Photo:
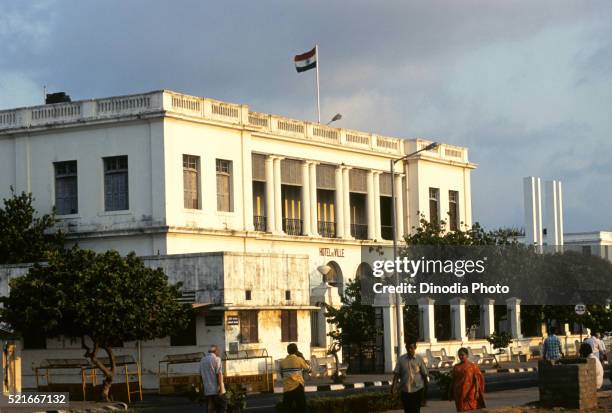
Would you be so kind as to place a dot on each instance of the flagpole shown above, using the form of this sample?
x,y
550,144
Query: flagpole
x,y
318,96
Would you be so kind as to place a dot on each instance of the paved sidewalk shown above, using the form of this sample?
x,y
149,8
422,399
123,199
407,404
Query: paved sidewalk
x,y
506,398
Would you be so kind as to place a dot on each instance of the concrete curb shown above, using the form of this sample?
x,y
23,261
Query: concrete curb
x,y
380,383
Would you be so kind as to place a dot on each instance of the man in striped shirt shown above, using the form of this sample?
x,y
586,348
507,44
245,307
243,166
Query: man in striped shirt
x,y
291,368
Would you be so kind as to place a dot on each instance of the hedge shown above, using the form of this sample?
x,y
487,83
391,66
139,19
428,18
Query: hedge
x,y
354,403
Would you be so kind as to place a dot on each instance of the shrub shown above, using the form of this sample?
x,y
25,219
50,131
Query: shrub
x,y
355,403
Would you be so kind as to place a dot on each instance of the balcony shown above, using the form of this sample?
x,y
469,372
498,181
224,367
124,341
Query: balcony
x,y
326,229
359,231
259,222
292,226
386,231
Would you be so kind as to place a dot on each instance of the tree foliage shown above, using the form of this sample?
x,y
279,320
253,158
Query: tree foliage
x,y
354,321
567,274
25,236
104,299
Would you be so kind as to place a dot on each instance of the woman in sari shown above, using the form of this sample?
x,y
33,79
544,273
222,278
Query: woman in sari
x,y
467,385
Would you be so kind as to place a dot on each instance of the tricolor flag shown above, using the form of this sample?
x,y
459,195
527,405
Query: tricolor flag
x,y
306,61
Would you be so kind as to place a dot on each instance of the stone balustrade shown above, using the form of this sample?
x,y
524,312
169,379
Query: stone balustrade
x,y
216,111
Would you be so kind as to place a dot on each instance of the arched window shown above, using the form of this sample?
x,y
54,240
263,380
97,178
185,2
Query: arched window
x,y
334,275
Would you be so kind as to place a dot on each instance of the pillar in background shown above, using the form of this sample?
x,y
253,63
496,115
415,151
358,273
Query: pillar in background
x,y
339,203
377,225
346,193
457,307
278,200
270,220
370,205
487,318
314,215
306,226
399,207
514,316
553,213
426,312
533,211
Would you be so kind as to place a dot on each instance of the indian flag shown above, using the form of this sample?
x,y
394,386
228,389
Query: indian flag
x,y
306,61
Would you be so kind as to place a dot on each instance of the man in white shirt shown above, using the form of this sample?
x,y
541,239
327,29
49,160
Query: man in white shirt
x,y
212,381
411,373
593,342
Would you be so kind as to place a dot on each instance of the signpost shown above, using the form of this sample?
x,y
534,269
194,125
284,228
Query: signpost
x,y
580,310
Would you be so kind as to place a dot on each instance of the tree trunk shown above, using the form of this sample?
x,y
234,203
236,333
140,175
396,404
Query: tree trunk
x,y
109,374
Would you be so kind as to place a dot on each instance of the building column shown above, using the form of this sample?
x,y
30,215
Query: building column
x,y
487,317
270,221
346,193
247,182
514,316
377,227
339,203
426,312
314,214
370,205
278,200
399,207
305,198
457,307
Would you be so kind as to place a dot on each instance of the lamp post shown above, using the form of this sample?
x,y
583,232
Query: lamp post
x,y
398,298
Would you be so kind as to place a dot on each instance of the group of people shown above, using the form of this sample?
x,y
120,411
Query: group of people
x,y
592,347
410,377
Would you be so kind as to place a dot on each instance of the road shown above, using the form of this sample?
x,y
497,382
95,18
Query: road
x,y
265,403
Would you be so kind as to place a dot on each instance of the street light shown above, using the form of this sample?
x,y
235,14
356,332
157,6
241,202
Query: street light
x,y
398,298
336,117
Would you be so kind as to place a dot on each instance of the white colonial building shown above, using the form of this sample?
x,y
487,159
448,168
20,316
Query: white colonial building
x,y
243,207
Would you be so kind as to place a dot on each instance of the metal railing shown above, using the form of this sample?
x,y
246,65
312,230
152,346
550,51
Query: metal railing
x,y
326,229
292,226
359,231
259,222
386,231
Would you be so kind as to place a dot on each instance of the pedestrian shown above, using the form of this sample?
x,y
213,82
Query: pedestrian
x,y
212,381
467,384
586,351
291,369
411,374
594,343
601,348
552,346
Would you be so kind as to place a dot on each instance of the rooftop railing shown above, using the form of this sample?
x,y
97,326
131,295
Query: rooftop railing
x,y
217,111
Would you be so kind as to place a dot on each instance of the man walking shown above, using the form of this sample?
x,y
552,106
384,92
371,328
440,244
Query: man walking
x,y
552,346
212,381
411,373
291,368
594,343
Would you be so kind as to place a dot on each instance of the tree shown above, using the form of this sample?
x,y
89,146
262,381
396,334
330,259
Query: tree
x,y
103,299
354,322
24,236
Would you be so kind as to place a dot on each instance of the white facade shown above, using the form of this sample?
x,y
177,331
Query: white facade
x,y
295,187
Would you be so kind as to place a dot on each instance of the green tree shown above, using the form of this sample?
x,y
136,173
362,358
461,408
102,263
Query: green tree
x,y
103,299
24,236
354,321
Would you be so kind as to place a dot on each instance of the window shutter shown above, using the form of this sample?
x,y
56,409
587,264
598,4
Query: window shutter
x,y
284,326
258,166
293,332
291,172
358,180
385,184
326,177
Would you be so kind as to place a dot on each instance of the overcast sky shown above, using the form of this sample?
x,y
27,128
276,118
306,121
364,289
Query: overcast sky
x,y
525,85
